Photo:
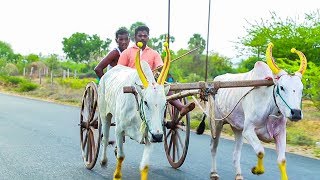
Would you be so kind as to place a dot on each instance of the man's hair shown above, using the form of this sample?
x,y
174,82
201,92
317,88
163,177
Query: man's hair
x,y
141,28
122,31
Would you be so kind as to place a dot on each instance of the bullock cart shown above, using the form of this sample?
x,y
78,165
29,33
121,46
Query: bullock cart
x,y
176,128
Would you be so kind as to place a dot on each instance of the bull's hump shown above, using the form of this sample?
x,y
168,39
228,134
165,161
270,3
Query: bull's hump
x,y
262,71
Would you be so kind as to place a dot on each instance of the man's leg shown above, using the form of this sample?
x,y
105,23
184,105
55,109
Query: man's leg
x,y
184,109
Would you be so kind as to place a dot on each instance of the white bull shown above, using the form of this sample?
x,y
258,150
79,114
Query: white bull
x,y
141,119
261,114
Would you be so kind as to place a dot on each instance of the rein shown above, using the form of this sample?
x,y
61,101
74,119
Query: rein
x,y
235,106
144,126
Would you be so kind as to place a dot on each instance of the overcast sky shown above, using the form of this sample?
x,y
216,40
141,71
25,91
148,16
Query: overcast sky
x,y
34,26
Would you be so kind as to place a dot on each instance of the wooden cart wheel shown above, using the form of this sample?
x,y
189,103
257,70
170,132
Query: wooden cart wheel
x,y
176,139
90,126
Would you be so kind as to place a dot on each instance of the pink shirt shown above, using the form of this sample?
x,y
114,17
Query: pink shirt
x,y
153,58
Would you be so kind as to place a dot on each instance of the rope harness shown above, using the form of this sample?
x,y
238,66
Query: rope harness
x,y
235,105
144,128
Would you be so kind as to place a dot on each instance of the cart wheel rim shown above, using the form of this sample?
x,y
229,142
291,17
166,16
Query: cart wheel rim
x,y
90,126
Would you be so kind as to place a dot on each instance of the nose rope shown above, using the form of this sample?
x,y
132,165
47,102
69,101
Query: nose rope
x,y
144,126
143,117
278,93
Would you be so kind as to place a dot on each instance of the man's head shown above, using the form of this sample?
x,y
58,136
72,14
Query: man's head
x,y
122,38
142,35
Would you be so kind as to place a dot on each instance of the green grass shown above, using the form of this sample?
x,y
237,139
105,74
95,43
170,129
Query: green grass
x,y
18,84
316,152
74,83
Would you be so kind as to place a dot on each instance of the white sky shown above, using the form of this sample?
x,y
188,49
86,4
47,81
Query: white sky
x,y
34,26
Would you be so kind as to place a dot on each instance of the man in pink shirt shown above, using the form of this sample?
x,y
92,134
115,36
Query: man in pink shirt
x,y
127,58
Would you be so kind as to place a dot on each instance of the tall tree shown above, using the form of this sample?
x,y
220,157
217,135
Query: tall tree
x,y
81,47
52,62
32,58
197,41
6,53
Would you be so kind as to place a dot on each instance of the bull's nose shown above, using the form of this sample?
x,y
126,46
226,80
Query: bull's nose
x,y
295,114
157,137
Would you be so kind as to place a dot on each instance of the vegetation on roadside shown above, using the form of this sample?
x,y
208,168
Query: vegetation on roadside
x,y
18,84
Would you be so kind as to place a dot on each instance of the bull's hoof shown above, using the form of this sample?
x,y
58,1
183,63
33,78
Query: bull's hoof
x,y
117,175
239,177
214,176
103,163
257,171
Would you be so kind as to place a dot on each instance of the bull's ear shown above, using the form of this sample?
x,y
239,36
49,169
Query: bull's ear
x,y
166,89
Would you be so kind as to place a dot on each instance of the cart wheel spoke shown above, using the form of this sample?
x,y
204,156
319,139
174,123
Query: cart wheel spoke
x,y
85,141
171,143
177,146
182,128
173,148
87,150
92,141
169,133
180,140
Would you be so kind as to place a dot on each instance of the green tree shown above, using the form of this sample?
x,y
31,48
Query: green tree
x,y
157,43
197,41
247,65
218,65
186,69
81,47
32,58
285,34
52,62
7,54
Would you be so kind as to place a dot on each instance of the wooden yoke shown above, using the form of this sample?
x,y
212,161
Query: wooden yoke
x,y
214,86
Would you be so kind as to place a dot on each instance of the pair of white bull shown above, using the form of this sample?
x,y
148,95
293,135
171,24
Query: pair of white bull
x,y
261,114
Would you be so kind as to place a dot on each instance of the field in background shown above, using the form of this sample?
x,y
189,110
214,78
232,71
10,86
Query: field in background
x,y
301,136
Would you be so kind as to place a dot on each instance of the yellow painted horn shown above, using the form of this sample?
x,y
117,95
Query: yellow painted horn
x,y
165,68
138,67
303,59
270,60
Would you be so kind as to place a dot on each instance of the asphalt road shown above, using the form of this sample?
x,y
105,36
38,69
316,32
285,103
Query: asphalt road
x,y
40,140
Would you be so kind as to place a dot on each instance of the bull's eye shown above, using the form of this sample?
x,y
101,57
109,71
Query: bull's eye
x,y
281,87
145,103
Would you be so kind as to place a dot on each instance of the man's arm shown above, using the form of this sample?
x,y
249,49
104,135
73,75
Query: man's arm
x,y
124,58
157,61
111,57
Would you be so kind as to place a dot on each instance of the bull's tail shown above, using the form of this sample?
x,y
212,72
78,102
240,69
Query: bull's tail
x,y
202,125
210,110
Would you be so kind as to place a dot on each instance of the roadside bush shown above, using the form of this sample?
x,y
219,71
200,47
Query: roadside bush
x,y
298,137
11,69
17,83
27,86
11,80
317,152
74,83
